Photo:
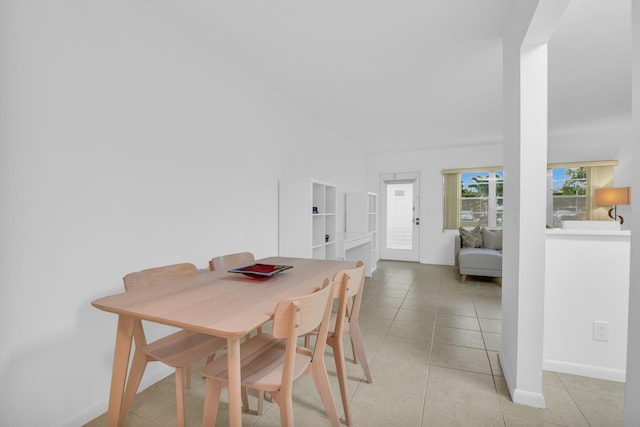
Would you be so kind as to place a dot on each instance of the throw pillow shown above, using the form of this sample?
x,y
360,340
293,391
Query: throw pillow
x,y
492,239
471,239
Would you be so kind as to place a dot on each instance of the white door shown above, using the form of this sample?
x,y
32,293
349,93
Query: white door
x,y
400,216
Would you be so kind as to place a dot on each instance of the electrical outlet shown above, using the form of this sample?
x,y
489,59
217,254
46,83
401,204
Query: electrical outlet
x,y
600,331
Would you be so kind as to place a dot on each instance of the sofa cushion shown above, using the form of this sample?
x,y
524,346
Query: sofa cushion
x,y
471,239
479,260
492,239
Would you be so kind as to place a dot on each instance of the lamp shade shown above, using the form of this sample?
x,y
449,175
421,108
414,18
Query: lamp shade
x,y
613,196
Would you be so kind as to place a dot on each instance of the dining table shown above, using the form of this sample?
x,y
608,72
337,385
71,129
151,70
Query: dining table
x,y
220,303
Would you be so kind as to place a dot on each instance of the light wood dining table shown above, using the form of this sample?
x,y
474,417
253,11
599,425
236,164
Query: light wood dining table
x,y
219,303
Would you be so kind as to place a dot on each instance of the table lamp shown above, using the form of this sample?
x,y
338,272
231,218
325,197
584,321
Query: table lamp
x,y
615,197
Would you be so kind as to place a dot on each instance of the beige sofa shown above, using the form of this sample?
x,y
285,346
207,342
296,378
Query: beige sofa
x,y
482,261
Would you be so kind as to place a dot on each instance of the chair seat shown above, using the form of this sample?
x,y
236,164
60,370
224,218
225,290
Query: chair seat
x,y
184,347
480,258
262,362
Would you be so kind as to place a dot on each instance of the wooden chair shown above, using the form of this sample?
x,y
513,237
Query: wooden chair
x,y
178,350
272,362
347,288
226,262
352,326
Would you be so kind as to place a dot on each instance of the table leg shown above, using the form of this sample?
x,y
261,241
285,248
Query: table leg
x,y
233,366
120,365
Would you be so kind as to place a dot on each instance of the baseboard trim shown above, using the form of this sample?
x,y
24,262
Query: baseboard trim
x,y
535,400
521,397
591,371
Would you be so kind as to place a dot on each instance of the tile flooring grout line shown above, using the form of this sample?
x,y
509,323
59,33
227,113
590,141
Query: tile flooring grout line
x,y
564,386
433,337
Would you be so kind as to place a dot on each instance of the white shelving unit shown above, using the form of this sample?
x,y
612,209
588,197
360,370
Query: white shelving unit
x,y
307,219
362,218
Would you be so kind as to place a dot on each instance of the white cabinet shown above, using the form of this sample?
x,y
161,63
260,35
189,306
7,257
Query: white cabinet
x,y
362,217
307,219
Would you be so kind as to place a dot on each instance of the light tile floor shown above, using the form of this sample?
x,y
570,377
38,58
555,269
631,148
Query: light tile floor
x,y
433,348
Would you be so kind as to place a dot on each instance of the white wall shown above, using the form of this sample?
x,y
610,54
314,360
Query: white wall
x,y
126,143
587,280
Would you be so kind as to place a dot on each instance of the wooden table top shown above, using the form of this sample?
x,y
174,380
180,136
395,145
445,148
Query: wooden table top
x,y
222,303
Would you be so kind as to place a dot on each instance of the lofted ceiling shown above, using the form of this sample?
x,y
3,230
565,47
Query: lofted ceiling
x,y
409,75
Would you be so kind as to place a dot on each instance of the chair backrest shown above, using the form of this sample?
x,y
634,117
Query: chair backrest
x,y
348,282
295,317
307,311
348,285
226,262
157,275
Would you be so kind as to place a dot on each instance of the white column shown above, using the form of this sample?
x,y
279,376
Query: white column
x,y
632,386
525,164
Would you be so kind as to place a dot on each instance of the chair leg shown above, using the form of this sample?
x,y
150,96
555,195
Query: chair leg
x,y
463,278
211,402
180,396
138,365
245,399
338,356
353,351
262,397
285,402
258,332
321,380
209,359
188,375
260,401
358,348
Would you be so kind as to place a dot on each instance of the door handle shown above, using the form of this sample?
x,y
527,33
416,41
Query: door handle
x,y
417,221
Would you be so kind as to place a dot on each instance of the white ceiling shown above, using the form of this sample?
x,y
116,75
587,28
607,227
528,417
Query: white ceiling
x,y
407,75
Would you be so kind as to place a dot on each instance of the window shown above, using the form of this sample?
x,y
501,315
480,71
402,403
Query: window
x,y
571,188
475,196
481,199
569,194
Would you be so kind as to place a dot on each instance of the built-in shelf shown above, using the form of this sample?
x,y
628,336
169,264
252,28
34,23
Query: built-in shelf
x,y
362,217
307,219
